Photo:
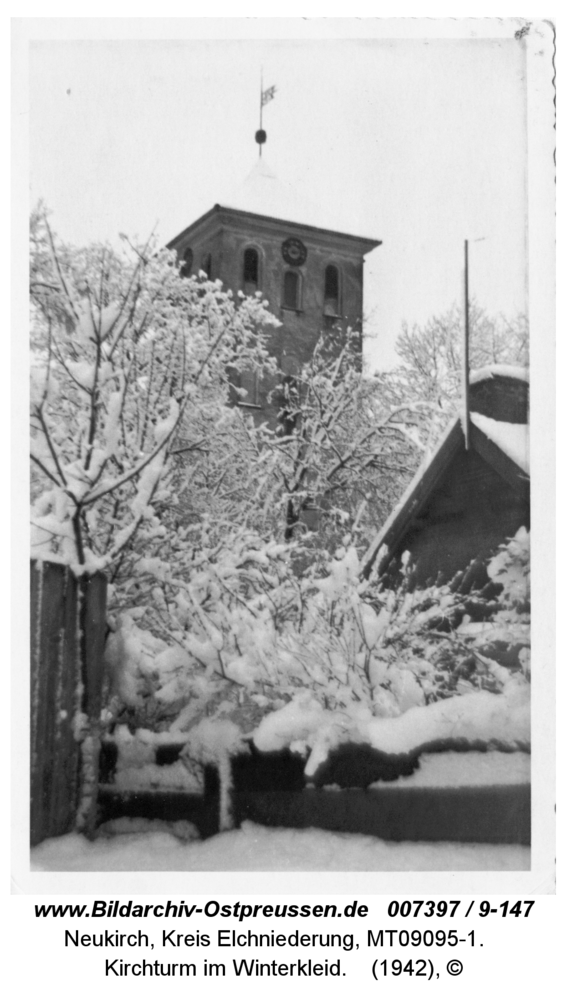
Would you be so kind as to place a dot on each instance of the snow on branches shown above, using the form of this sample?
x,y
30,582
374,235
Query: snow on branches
x,y
223,608
327,652
339,456
431,355
126,355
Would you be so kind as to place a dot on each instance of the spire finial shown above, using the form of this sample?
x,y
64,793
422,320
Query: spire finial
x,y
265,96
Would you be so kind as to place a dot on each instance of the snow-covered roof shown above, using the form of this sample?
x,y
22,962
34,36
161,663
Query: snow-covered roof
x,y
264,193
512,442
512,439
408,502
507,371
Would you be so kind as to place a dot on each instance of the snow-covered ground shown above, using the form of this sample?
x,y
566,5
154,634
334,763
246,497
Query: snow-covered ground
x,y
257,848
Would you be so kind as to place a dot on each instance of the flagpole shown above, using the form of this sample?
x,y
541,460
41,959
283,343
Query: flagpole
x,y
265,96
466,403
261,101
466,348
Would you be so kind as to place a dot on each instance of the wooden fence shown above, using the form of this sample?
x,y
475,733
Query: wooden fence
x,y
364,797
67,642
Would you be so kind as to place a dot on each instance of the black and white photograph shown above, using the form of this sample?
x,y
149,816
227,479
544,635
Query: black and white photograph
x,y
288,349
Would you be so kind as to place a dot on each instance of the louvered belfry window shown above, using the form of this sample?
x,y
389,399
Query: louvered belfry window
x,y
291,290
251,271
331,303
207,264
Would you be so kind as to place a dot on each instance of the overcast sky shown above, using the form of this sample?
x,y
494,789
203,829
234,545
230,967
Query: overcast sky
x,y
419,142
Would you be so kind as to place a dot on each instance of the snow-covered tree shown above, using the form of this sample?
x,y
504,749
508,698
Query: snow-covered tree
x,y
431,368
130,369
195,512
340,454
337,458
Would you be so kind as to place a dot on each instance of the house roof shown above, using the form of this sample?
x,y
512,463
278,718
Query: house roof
x,y
512,439
499,371
503,446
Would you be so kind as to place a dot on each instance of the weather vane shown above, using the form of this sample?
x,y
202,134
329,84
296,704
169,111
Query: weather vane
x,y
265,97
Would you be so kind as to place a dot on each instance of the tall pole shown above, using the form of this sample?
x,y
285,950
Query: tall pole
x,y
261,101
466,406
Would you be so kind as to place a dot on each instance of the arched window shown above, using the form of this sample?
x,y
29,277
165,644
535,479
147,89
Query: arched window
x,y
251,271
331,299
207,264
291,290
187,265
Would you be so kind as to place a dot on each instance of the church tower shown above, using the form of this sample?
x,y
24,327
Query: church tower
x,y
262,240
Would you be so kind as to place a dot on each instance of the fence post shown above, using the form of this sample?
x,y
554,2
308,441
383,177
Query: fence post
x,y
92,617
67,642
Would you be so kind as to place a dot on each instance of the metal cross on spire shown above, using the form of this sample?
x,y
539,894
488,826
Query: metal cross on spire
x,y
265,97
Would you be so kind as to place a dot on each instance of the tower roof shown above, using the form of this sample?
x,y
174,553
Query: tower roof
x,y
263,194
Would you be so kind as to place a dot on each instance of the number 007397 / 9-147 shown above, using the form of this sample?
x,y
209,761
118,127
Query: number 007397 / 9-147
x,y
449,908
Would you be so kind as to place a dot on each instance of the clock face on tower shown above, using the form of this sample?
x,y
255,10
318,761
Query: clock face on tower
x,y
294,251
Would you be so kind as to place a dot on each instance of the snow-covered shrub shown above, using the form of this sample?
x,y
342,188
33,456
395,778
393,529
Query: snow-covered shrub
x,y
248,637
511,569
411,668
200,635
